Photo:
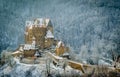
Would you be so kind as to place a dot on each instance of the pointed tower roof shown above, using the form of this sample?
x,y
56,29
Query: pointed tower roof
x,y
47,21
49,34
60,43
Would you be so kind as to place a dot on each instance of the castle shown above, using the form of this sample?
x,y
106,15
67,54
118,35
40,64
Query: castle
x,y
39,36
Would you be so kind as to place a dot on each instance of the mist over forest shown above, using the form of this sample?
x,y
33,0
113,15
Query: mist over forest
x,y
88,27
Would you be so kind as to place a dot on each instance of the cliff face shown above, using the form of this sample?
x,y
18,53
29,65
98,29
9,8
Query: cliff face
x,y
86,25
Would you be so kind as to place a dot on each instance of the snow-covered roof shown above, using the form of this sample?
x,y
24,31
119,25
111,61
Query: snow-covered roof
x,y
49,34
38,22
41,21
17,52
29,23
29,46
47,21
30,27
58,57
65,54
37,53
59,44
21,48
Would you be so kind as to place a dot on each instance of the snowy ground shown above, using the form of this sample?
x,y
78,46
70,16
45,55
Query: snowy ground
x,y
34,70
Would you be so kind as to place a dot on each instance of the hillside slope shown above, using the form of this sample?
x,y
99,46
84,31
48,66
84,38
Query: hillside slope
x,y
85,25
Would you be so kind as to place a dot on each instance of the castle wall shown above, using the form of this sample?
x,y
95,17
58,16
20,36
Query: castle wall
x,y
29,53
49,42
59,51
39,34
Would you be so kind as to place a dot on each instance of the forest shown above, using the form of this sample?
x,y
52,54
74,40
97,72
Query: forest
x,y
88,27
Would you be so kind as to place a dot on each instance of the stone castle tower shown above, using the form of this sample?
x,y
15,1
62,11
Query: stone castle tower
x,y
41,30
